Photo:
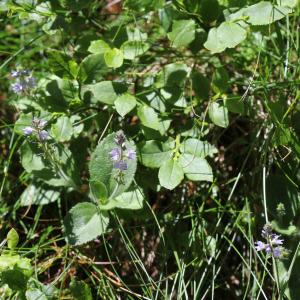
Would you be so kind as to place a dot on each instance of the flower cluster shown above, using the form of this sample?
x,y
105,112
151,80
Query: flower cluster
x,y
37,129
120,154
273,243
24,81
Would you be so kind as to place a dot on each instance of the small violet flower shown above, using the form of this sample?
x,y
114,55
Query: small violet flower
x,y
115,154
260,246
273,242
38,129
131,154
18,88
277,252
43,135
121,154
24,81
120,138
28,130
121,165
39,123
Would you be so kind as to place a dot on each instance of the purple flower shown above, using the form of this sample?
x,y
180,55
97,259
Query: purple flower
x,y
30,82
115,154
18,88
120,138
277,252
260,246
268,249
272,242
131,154
28,130
43,135
15,74
275,240
121,165
39,123
24,81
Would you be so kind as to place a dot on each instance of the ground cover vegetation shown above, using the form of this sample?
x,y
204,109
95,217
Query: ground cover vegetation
x,y
149,149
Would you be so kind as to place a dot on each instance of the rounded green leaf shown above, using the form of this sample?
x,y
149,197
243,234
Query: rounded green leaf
x,y
12,239
153,154
132,199
84,222
114,58
62,130
227,35
31,157
93,67
98,191
264,13
132,49
209,10
98,46
198,148
196,168
170,174
38,195
218,114
183,33
104,91
124,104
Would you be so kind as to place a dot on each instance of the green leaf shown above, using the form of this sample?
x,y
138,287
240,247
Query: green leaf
x,y
124,104
209,10
218,114
201,85
135,34
62,130
15,279
34,163
60,94
80,290
153,154
197,148
92,68
235,105
133,49
227,35
23,121
289,3
31,157
84,222
35,194
173,74
220,80
114,58
101,167
62,65
132,199
104,91
195,168
183,33
99,192
12,239
35,294
75,5
98,46
148,117
170,174
264,13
